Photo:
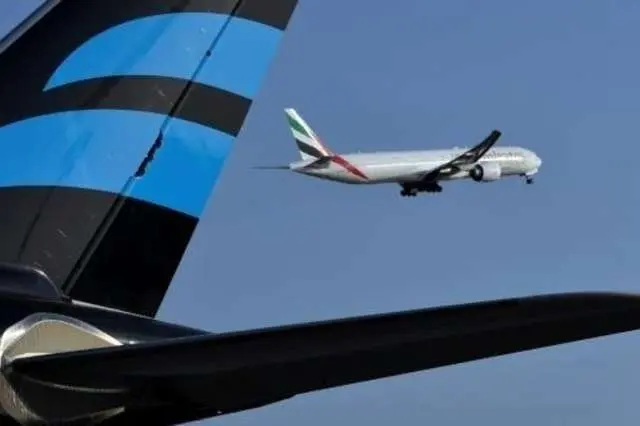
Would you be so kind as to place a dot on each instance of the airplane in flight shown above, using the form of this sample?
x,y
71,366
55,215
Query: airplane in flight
x,y
414,171
116,117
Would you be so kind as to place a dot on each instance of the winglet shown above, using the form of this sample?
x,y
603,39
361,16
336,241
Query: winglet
x,y
493,137
478,151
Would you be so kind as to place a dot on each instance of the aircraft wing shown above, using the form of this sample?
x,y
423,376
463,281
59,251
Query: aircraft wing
x,y
469,157
195,377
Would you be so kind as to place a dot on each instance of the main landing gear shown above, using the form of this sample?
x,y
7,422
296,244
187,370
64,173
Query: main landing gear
x,y
413,190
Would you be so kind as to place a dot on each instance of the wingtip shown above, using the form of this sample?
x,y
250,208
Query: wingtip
x,y
495,135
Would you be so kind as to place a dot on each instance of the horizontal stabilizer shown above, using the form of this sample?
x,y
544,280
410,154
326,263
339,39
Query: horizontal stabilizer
x,y
272,167
251,368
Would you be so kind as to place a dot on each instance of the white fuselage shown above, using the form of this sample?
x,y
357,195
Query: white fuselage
x,y
409,166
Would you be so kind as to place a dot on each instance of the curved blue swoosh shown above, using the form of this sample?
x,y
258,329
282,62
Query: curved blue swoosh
x,y
174,45
186,168
101,150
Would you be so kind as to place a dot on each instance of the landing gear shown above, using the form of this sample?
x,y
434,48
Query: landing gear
x,y
413,190
528,178
408,193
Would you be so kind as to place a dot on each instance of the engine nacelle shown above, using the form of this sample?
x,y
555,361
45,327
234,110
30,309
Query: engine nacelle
x,y
486,172
29,402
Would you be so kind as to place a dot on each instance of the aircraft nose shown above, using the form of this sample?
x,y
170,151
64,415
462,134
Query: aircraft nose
x,y
533,161
537,161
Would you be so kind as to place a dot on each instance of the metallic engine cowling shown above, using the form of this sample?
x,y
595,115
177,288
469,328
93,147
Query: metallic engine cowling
x,y
31,402
487,172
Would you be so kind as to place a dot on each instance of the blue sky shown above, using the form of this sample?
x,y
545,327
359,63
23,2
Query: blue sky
x,y
558,77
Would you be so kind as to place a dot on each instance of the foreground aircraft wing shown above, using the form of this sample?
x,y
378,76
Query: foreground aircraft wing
x,y
468,157
195,377
116,118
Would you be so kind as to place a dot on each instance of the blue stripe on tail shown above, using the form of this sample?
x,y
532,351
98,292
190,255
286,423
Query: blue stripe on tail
x,y
101,149
185,169
173,45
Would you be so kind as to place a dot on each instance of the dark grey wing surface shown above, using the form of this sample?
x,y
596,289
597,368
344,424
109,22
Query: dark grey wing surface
x,y
193,377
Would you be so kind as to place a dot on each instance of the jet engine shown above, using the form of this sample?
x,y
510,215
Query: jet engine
x,y
48,333
486,172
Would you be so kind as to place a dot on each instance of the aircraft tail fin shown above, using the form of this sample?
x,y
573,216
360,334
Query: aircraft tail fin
x,y
309,145
108,160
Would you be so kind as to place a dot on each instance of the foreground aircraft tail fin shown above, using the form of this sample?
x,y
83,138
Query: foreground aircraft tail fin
x,y
108,160
309,145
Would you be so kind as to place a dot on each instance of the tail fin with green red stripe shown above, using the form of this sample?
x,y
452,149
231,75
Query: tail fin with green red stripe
x,y
309,145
